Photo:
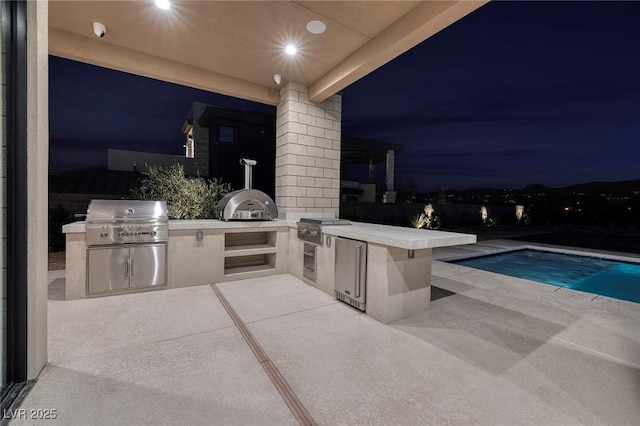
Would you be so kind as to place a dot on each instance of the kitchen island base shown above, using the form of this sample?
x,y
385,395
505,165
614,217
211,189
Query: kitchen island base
x,y
398,273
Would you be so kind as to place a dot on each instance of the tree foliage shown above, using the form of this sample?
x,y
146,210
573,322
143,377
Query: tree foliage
x,y
186,197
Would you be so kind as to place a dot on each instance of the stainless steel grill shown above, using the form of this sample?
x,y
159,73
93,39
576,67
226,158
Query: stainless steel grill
x,y
311,229
126,244
126,221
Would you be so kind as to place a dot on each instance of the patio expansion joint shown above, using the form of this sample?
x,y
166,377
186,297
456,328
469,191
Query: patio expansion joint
x,y
298,410
335,302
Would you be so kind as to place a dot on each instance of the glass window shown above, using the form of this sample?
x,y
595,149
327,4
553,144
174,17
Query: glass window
x,y
3,204
226,134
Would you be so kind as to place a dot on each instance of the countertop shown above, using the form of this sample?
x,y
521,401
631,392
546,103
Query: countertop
x,y
394,236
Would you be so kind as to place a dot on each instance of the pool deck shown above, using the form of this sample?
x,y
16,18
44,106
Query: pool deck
x,y
491,350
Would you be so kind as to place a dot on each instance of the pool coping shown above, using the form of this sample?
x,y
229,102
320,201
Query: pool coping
x,y
578,251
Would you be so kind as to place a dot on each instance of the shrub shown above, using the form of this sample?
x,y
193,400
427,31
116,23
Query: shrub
x,y
186,197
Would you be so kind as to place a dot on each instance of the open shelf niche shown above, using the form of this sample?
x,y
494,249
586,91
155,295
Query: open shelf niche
x,y
249,252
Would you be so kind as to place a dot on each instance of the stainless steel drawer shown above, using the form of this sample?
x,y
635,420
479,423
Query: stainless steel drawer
x,y
309,262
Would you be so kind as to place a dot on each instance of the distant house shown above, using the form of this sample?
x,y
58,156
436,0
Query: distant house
x,y
360,155
217,138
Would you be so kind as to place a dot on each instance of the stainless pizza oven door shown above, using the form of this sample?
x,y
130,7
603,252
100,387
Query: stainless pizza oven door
x,y
247,203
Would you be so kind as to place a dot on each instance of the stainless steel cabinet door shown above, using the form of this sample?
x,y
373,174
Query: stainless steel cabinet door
x,y
147,265
107,269
351,264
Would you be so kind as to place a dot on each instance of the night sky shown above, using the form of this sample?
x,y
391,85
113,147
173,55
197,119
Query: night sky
x,y
514,94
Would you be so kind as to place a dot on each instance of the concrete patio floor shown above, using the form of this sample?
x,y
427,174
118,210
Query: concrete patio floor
x,y
496,350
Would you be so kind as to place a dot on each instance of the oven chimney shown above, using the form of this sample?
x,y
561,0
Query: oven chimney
x,y
248,173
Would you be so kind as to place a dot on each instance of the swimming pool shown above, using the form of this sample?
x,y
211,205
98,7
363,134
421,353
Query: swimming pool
x,y
620,280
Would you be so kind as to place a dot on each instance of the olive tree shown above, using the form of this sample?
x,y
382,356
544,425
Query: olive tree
x,y
186,197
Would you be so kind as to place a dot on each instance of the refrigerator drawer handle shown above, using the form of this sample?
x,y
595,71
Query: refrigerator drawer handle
x,y
358,256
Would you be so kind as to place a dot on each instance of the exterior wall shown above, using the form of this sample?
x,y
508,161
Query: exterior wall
x,y
3,213
307,152
37,183
200,141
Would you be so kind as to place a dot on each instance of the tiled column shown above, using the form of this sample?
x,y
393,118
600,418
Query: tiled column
x,y
307,153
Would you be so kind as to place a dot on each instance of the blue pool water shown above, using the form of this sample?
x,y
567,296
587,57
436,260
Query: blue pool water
x,y
619,280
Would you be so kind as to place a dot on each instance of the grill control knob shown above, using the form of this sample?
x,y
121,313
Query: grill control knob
x,y
121,234
153,233
104,234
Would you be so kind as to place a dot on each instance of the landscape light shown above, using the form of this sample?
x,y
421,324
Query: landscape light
x,y
290,49
163,4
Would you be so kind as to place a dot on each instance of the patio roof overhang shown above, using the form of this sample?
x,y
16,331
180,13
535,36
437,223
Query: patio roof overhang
x,y
235,47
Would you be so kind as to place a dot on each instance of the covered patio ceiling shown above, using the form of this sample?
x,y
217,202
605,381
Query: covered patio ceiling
x,y
235,47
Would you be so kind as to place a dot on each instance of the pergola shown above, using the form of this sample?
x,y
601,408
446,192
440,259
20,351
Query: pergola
x,y
229,47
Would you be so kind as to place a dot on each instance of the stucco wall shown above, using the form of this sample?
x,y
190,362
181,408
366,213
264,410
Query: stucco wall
x,y
37,183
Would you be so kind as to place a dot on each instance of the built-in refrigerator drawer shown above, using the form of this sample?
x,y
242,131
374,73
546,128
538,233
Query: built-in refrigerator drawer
x,y
351,272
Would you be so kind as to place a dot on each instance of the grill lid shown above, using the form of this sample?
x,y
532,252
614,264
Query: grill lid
x,y
100,211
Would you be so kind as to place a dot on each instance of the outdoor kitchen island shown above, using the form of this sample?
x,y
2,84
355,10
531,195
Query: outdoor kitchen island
x,y
209,251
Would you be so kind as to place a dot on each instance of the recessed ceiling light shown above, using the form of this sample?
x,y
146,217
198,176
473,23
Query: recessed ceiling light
x,y
163,4
290,49
316,27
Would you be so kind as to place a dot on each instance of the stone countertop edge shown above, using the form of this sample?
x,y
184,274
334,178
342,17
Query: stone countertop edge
x,y
394,236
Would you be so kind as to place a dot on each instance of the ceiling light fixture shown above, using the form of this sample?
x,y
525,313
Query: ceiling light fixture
x,y
163,4
316,27
290,49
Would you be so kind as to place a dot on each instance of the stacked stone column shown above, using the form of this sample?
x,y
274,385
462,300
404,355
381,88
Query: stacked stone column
x,y
307,152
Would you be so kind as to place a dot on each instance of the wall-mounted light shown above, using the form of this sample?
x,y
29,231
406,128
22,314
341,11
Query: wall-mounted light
x,y
277,78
